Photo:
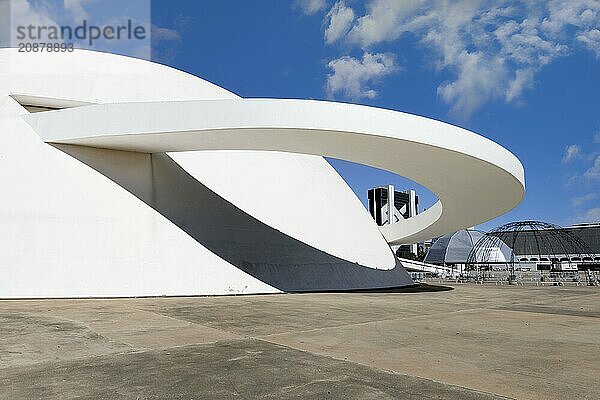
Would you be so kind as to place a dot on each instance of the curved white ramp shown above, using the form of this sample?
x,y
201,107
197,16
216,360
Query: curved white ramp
x,y
474,178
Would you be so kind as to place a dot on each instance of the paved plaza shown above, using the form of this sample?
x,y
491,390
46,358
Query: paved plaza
x,y
473,342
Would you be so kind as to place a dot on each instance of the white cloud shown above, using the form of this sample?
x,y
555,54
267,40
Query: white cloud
x,y
597,137
76,8
590,216
310,7
22,13
523,79
593,173
340,18
581,200
592,39
352,76
572,152
580,15
164,34
476,82
73,12
164,54
385,20
492,50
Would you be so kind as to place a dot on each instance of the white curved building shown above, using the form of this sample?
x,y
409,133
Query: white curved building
x,y
122,177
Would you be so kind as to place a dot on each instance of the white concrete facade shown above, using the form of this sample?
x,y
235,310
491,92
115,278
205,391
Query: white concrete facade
x,y
150,181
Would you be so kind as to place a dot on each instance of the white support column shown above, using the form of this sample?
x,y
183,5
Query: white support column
x,y
412,211
391,207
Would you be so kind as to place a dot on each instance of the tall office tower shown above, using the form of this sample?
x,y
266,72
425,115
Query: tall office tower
x,y
388,206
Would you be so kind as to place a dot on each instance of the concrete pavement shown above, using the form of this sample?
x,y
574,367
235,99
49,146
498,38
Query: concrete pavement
x,y
473,342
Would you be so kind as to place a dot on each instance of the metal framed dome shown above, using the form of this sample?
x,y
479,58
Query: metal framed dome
x,y
528,241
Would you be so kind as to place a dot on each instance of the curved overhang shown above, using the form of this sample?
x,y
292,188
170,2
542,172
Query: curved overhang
x,y
39,82
474,178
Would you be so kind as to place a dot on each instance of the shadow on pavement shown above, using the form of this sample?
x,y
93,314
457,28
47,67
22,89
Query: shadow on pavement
x,y
421,287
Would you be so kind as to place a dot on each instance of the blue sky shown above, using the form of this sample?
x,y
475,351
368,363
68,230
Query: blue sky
x,y
524,74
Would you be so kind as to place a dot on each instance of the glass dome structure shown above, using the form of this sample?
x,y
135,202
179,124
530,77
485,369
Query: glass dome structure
x,y
453,248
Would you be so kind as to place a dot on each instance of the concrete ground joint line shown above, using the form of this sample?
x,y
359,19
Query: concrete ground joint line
x,y
389,371
134,350
65,360
369,322
542,313
91,328
574,297
170,317
76,322
192,323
